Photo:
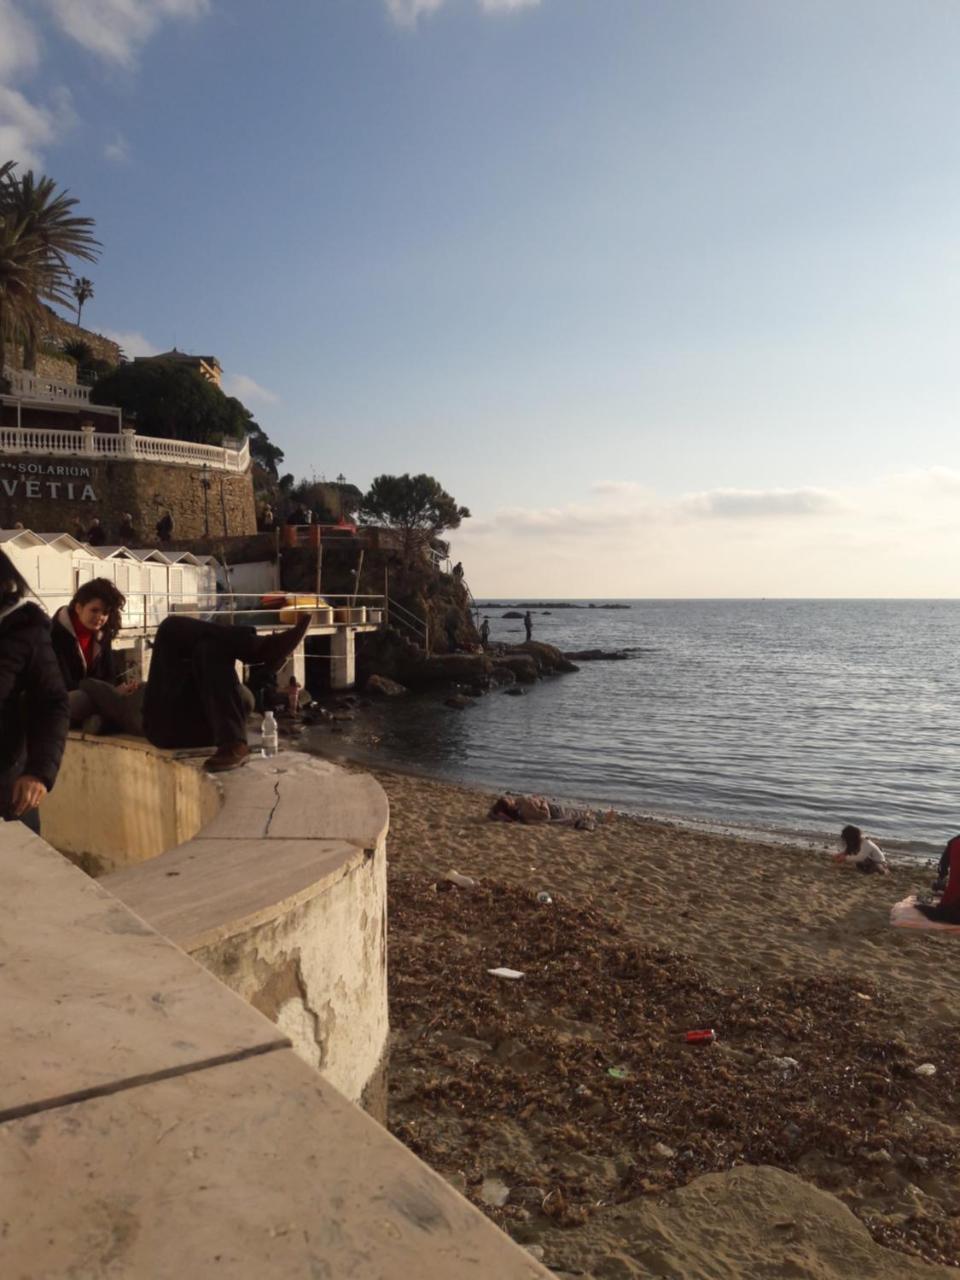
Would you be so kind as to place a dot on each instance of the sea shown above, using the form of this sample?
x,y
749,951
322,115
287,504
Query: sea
x,y
785,718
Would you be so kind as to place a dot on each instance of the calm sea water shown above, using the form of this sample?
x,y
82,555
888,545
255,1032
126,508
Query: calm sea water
x,y
793,716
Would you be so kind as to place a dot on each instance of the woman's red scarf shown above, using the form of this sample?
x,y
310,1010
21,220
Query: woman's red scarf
x,y
85,638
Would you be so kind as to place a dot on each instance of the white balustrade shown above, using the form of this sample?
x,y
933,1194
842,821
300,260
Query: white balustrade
x,y
33,386
128,445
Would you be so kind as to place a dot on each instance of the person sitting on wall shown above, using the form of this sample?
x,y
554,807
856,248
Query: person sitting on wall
x,y
193,695
128,534
95,534
33,702
165,527
82,633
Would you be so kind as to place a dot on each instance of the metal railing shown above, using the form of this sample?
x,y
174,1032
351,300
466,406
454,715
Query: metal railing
x,y
145,610
409,624
88,443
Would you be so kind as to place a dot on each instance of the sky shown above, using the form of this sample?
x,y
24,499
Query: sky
x,y
667,292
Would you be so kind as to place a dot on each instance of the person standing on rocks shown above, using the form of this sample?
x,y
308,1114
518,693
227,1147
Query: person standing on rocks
x,y
485,632
528,625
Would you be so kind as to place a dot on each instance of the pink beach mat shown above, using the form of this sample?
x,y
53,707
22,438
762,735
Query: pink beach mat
x,y
904,915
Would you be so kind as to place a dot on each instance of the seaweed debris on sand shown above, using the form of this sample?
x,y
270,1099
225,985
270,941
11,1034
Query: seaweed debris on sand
x,y
625,1152
575,1089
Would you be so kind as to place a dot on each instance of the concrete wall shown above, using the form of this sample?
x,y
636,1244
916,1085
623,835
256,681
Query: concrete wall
x,y
283,897
119,801
319,972
152,1125
50,495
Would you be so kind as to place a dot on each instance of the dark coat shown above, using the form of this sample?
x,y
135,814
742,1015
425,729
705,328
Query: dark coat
x,y
70,655
33,700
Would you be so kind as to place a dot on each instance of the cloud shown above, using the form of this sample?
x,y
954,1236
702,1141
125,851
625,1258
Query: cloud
x,y
505,6
407,12
740,503
246,389
117,151
116,30
19,42
113,30
132,343
886,535
25,127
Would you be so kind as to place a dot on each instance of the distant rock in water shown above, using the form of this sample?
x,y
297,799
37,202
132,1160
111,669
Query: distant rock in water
x,y
459,702
513,614
383,687
598,655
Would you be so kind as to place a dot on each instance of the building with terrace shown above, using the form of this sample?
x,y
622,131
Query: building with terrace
x,y
64,461
208,367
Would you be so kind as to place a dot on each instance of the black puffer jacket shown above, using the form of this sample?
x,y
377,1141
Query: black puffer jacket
x,y
33,701
70,655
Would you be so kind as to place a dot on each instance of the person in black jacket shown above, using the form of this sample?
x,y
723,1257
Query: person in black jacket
x,y
83,632
33,702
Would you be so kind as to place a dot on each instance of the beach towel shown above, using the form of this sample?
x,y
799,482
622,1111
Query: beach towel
x,y
904,915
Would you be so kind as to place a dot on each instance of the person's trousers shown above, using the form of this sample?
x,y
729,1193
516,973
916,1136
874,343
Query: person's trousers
x,y
193,694
123,711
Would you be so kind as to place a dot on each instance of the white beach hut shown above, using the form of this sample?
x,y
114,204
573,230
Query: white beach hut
x,y
47,562
152,603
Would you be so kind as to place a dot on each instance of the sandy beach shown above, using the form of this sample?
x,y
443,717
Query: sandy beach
x,y
566,1105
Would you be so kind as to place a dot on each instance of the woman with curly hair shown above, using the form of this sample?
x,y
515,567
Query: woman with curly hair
x,y
83,632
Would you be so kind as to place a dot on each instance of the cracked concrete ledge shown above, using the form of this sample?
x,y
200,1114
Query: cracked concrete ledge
x,y
289,878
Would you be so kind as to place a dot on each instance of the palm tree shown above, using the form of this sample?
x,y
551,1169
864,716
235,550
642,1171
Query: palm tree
x,y
39,234
82,291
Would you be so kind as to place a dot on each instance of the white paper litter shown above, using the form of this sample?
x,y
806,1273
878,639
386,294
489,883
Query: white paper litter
x,y
505,973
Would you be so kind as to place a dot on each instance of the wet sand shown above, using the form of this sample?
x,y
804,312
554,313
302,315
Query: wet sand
x,y
617,1150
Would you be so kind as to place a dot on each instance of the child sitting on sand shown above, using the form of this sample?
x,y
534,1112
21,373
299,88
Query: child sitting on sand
x,y
861,853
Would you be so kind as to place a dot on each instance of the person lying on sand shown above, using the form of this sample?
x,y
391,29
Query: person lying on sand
x,y
861,853
947,910
537,809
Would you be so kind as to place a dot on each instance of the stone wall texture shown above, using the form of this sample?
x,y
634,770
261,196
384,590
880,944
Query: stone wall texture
x,y
55,495
60,331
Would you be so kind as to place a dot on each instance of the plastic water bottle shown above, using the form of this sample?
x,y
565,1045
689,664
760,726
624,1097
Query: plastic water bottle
x,y
268,732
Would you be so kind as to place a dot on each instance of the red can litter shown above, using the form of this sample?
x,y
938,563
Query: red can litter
x,y
701,1037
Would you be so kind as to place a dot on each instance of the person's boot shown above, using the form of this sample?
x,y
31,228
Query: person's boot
x,y
231,756
275,649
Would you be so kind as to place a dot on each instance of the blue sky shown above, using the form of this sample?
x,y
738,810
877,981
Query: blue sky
x,y
666,292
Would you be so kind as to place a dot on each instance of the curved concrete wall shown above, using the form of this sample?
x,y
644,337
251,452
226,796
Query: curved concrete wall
x,y
283,897
119,801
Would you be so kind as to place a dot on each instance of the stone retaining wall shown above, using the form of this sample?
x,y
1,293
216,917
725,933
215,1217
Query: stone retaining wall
x,y
51,494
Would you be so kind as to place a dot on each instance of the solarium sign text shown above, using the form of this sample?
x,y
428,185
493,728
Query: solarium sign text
x,y
47,480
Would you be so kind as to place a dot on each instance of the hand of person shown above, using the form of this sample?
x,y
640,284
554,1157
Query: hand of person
x,y
839,859
27,794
